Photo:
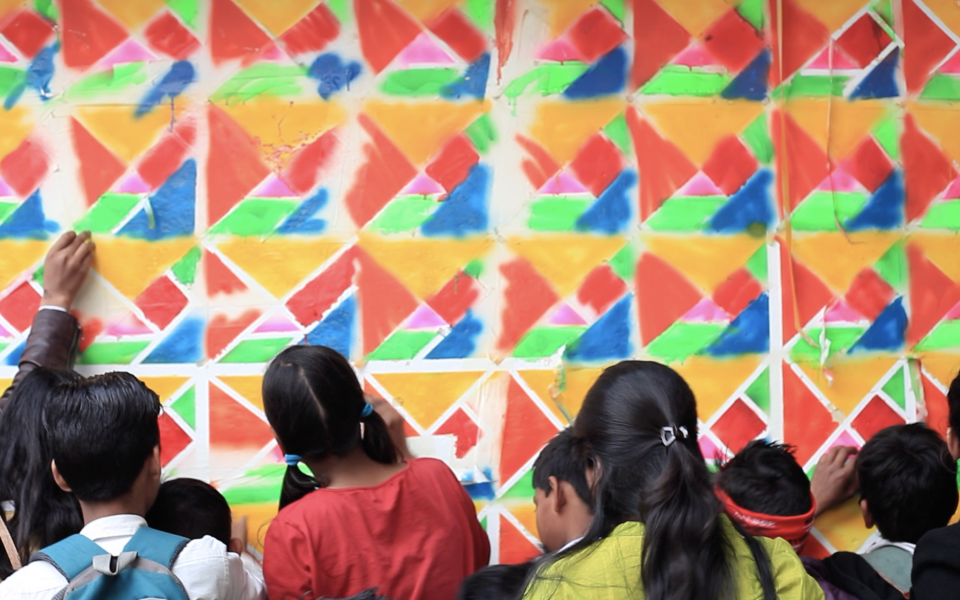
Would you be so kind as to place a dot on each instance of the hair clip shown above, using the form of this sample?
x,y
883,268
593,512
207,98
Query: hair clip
x,y
292,460
367,410
668,434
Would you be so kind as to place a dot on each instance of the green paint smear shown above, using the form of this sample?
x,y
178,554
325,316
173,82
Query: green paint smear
x,y
340,9
186,268
546,79
6,208
682,340
521,490
480,12
545,341
474,268
759,391
186,9
841,339
757,265
482,133
256,216
752,12
624,263
885,10
111,353
256,351
617,8
46,8
261,79
418,82
186,407
402,345
38,275
758,138
888,136
619,133
816,213
556,214
11,79
894,388
259,486
116,79
681,81
403,214
943,216
811,85
945,335
892,266
941,87
108,212
690,213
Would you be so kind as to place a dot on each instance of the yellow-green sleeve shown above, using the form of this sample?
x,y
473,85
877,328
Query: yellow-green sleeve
x,y
792,580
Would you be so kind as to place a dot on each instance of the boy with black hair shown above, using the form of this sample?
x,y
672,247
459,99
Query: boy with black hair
x,y
105,438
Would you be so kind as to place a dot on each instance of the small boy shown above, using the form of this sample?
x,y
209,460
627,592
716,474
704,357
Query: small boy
x,y
106,450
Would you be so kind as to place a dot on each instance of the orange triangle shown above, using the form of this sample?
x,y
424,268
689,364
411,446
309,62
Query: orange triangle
x,y
714,380
948,12
834,14
695,15
544,383
696,126
164,386
420,130
705,260
425,10
940,122
837,257
248,386
563,127
426,396
515,548
942,365
123,132
843,526
132,14
564,13
576,384
852,379
566,260
836,122
16,126
527,515
276,15
17,256
943,250
132,265
279,264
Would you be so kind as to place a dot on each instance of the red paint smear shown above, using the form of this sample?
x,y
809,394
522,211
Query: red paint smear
x,y
926,170
166,35
26,167
597,164
454,29
219,278
19,306
542,167
663,167
89,332
234,166
309,304
99,168
806,422
27,31
657,38
596,33
730,165
161,302
932,294
173,439
938,410
186,129
306,165
515,548
663,296
162,161
527,297
384,302
454,298
233,426
233,34
222,330
601,289
811,293
385,29
868,164
525,431
733,41
806,162
738,291
381,177
311,33
875,416
869,294
87,33
453,163
864,40
466,430
738,426
504,22
803,37
928,46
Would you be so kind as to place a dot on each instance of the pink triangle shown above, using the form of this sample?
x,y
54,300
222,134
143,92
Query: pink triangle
x,y
845,439
424,318
695,55
700,185
423,185
954,314
127,52
709,449
564,315
6,55
273,53
133,184
840,181
953,191
129,325
705,311
952,65
424,51
5,189
273,187
276,324
840,60
4,332
840,312
563,183
560,51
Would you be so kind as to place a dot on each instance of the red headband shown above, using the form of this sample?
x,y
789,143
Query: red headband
x,y
793,529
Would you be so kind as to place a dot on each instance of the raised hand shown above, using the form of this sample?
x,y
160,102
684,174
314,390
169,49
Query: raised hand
x,y
65,268
834,480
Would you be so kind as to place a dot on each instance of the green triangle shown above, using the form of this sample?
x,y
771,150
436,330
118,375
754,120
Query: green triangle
x,y
258,486
885,10
480,12
895,389
541,342
752,12
186,9
840,339
474,268
482,133
757,136
682,340
47,8
617,8
945,215
759,391
402,345
521,490
892,266
186,268
887,134
945,335
340,9
619,134
685,213
757,265
186,407
822,211
624,263
483,523
941,87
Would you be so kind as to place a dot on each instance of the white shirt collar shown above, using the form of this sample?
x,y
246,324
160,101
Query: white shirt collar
x,y
881,543
113,526
570,544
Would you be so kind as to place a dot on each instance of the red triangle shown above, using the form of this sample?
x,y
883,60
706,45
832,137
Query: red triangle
x,y
663,167
526,298
663,296
464,428
222,330
312,33
515,548
525,431
799,282
657,39
542,166
233,34
932,294
384,302
385,30
806,161
306,165
597,164
220,279
803,37
233,426
87,33
99,168
173,439
926,170
455,297
309,304
233,163
806,421
25,168
928,46
384,172
938,411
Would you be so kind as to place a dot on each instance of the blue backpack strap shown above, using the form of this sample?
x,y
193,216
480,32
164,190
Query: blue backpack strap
x,y
71,556
158,546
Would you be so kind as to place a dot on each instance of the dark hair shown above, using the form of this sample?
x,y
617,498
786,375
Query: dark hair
x,y
495,582
765,478
563,457
102,430
192,509
909,481
314,403
627,421
44,514
953,401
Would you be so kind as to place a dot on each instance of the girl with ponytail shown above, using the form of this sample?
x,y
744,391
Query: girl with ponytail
x,y
659,531
361,518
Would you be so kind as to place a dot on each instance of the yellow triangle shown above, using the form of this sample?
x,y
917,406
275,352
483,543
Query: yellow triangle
x,y
563,127
852,379
942,365
840,123
842,526
565,260
837,257
705,260
276,15
544,383
948,11
943,250
564,13
426,396
940,122
132,265
164,386
527,515
419,130
132,14
248,386
834,13
122,132
696,126
576,384
7,6
714,380
5,383
16,125
17,256
424,265
425,10
279,264
695,15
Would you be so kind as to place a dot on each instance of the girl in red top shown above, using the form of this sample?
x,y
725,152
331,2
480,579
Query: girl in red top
x,y
365,519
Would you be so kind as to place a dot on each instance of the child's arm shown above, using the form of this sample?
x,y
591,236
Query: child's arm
x,y
394,423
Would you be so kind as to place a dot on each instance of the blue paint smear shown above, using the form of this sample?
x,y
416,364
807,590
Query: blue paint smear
x,y
480,491
176,80
473,83
884,210
465,209
13,359
611,212
38,77
608,338
881,82
606,76
173,207
887,332
302,221
28,221
751,83
461,342
749,206
184,345
336,330
749,332
333,73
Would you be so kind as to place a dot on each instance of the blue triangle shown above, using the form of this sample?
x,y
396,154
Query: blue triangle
x,y
173,207
750,83
749,206
474,81
28,221
180,75
302,221
465,209
884,210
881,82
183,345
748,333
608,338
606,76
461,342
336,329
887,332
611,212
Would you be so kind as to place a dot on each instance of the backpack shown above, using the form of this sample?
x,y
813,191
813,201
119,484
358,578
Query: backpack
x,y
141,572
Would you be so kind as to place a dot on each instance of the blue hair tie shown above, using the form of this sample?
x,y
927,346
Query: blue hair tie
x,y
367,410
292,460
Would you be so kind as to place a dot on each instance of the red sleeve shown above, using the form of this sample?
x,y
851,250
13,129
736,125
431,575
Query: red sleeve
x,y
286,563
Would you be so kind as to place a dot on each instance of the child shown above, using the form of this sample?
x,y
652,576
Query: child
x,y
104,437
364,519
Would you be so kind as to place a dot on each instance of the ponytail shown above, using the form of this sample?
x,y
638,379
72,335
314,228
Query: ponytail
x,y
296,485
376,440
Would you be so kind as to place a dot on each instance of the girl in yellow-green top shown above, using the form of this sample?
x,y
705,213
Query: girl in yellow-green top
x,y
659,532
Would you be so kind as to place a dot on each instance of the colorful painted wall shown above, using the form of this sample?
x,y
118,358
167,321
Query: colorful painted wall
x,y
482,202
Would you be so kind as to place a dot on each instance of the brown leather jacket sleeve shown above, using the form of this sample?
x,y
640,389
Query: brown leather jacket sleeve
x,y
52,343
